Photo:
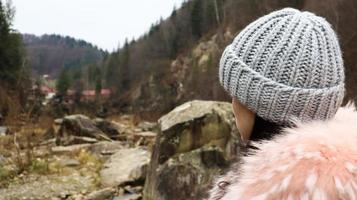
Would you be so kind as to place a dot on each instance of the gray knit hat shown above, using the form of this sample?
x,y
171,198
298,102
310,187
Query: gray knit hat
x,y
286,66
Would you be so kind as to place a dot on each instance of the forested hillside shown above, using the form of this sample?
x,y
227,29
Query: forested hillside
x,y
177,59
49,54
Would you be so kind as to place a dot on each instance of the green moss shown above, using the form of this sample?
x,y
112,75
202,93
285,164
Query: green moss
x,y
185,141
209,131
213,131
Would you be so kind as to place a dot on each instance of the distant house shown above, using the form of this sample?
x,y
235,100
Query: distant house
x,y
44,90
106,92
90,94
47,90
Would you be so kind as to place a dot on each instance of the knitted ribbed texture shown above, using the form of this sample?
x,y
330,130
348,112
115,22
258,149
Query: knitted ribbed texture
x,y
286,66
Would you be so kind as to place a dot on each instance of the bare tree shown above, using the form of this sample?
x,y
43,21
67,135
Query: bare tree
x,y
217,11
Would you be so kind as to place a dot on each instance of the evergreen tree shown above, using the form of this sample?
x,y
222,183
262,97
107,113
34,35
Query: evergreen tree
x,y
91,70
174,46
11,48
63,82
124,76
78,85
174,13
196,18
98,82
112,70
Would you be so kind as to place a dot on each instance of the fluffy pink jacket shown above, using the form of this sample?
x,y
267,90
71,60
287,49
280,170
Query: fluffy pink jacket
x,y
317,160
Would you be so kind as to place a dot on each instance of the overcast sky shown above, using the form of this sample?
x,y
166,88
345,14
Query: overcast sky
x,y
105,23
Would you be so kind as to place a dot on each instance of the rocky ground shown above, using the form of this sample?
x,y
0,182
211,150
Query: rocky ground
x,y
98,159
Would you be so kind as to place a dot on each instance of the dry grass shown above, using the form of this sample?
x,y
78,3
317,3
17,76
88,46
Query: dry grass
x,y
22,149
19,147
91,162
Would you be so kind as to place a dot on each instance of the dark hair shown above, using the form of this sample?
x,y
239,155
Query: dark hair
x,y
262,130
265,130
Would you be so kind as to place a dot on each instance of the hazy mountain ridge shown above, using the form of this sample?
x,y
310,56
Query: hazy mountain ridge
x,y
49,54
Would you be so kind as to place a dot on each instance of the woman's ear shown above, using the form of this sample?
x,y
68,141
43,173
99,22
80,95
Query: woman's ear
x,y
244,118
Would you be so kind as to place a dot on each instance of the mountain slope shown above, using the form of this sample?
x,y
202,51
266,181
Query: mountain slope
x,y
177,59
48,54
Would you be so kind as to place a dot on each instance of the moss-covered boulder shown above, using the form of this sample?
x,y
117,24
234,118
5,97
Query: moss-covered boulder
x,y
196,142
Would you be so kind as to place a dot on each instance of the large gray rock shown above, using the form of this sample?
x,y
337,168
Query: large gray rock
x,y
78,125
113,129
197,141
125,166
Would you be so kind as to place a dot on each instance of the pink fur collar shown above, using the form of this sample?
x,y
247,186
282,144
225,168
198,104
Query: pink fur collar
x,y
316,160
